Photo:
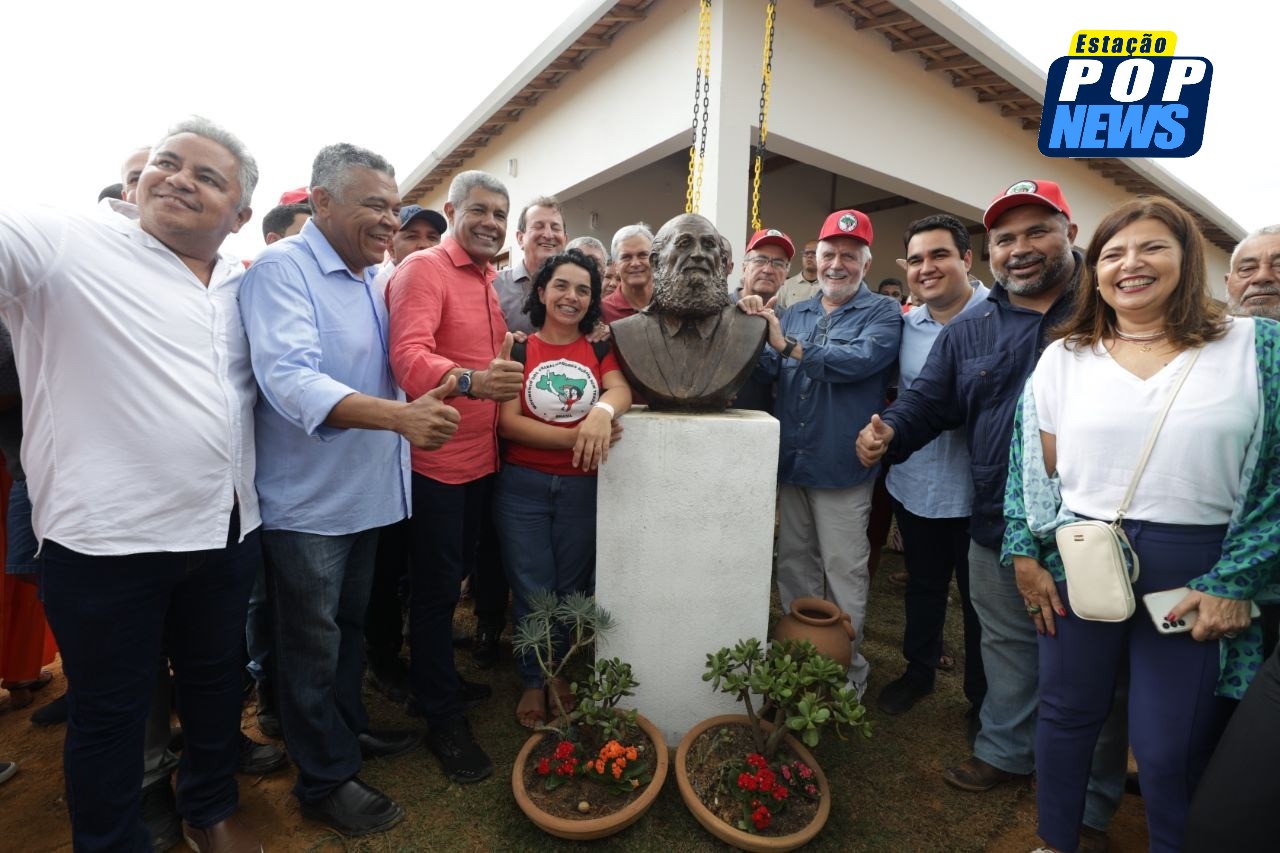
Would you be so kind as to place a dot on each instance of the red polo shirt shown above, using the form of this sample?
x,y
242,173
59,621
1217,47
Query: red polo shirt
x,y
445,314
615,306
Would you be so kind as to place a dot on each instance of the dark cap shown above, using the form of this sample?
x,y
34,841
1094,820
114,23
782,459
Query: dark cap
x,y
410,212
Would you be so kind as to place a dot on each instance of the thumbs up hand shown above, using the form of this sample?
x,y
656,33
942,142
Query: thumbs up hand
x,y
428,422
873,441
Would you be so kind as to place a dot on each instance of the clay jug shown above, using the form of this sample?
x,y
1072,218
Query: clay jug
x,y
821,623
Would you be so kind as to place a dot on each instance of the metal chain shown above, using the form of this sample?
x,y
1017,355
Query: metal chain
x,y
766,85
701,86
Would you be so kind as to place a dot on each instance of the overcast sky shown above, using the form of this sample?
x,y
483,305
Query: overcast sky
x,y
397,78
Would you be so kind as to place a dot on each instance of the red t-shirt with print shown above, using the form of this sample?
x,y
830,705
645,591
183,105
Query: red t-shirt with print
x,y
561,384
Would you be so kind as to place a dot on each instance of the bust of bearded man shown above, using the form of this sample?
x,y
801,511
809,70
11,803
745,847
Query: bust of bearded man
x,y
691,348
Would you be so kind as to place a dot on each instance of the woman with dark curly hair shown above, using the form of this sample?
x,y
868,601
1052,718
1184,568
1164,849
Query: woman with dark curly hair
x,y
1203,517
557,433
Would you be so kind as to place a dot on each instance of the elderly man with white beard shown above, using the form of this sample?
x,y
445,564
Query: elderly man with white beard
x,y
831,355
689,349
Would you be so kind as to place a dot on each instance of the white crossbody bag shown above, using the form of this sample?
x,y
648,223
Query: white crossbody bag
x,y
1097,556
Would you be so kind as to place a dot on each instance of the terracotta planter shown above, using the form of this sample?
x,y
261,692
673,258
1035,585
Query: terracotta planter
x,y
731,834
821,623
594,827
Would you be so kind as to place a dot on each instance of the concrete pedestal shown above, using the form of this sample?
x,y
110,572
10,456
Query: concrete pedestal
x,y
684,552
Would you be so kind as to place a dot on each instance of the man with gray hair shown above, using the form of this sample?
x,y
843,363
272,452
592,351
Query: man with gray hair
x,y
592,248
158,538
1253,282
446,324
539,235
333,468
630,250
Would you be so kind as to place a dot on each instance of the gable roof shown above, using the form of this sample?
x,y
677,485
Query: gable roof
x,y
946,39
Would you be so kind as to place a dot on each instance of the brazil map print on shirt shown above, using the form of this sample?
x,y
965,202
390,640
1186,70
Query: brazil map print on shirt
x,y
561,391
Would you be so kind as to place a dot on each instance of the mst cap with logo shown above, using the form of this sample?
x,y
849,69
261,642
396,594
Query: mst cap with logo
x,y
847,223
1046,193
410,212
772,237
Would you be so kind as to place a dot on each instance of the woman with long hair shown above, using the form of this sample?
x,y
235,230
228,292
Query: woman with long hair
x,y
1205,501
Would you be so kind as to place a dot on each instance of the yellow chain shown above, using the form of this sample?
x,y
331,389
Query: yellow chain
x,y
702,86
766,84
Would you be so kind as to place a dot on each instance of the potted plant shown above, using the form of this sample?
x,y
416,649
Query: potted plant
x,y
749,779
595,768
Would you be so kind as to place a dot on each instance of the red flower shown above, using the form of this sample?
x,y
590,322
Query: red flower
x,y
757,761
765,779
779,793
563,750
544,767
811,790
746,782
761,817
805,772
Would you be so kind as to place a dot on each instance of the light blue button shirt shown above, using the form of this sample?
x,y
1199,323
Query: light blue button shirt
x,y
935,481
317,334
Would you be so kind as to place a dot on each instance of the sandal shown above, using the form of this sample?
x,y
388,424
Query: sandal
x,y
21,693
559,688
946,660
531,712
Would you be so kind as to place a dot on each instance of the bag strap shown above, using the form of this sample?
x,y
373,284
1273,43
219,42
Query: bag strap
x,y
1151,437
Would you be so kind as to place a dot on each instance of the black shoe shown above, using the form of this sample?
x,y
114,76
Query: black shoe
x,y
354,808
391,680
259,759
268,717
53,714
901,695
460,756
471,694
177,740
160,815
484,647
386,743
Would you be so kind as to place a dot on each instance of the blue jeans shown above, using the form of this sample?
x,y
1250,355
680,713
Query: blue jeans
x,y
1172,679
547,527
1010,658
319,586
443,536
110,616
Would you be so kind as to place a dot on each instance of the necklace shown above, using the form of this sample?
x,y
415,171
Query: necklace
x,y
1146,339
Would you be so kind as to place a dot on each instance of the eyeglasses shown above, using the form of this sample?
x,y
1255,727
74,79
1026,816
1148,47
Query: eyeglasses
x,y
761,260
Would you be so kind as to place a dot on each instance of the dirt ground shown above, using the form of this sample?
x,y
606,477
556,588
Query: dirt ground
x,y
904,805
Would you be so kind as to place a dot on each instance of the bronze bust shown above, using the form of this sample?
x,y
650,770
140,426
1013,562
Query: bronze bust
x,y
691,349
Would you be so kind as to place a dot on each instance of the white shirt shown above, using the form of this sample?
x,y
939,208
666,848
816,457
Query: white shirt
x,y
1101,414
137,391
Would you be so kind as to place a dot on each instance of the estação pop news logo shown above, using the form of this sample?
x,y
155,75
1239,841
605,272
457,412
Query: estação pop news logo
x,y
1122,93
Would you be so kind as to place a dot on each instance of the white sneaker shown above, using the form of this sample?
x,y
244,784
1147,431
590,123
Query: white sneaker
x,y
7,769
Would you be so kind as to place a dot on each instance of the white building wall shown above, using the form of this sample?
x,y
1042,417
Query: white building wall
x,y
841,101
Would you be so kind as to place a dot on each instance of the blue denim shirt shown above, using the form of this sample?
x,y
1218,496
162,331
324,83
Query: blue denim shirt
x,y
318,333
935,481
825,398
973,379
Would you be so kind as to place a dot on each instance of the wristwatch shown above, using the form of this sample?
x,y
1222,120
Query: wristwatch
x,y
464,384
790,347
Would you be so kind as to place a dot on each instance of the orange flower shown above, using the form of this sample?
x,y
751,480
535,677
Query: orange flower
x,y
631,753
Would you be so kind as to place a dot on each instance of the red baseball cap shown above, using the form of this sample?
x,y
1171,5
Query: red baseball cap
x,y
772,237
299,196
1046,193
847,223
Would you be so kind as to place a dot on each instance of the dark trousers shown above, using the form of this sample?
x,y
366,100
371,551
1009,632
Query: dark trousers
x,y
320,588
1175,718
934,549
384,621
110,616
489,588
444,531
879,521
1237,805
